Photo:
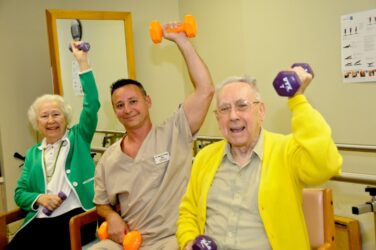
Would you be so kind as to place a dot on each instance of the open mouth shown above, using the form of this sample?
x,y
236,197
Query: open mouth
x,y
52,128
237,130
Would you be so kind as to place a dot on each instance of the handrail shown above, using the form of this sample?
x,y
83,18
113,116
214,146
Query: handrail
x,y
343,177
340,146
98,149
355,178
356,147
116,132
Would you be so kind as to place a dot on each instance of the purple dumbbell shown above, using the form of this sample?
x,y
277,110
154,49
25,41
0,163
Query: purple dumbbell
x,y
48,212
203,242
83,46
287,83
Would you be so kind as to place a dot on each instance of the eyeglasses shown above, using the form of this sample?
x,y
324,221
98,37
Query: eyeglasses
x,y
240,106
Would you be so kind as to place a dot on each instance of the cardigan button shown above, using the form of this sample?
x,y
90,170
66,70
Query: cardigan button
x,y
68,171
75,184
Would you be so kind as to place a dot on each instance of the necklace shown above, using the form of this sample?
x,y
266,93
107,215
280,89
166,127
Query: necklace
x,y
49,176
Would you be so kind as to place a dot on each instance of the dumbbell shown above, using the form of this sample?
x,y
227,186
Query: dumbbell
x,y
204,242
48,212
76,31
132,240
82,46
188,26
287,83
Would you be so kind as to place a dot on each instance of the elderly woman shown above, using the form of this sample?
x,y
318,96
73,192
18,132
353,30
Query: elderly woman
x,y
57,179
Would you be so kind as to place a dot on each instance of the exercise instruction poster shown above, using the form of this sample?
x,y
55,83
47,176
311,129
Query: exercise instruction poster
x,y
358,35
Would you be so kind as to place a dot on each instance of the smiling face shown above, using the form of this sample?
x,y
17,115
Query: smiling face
x,y
239,114
131,107
51,121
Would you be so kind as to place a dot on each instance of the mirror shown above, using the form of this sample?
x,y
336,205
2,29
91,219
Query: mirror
x,y
111,56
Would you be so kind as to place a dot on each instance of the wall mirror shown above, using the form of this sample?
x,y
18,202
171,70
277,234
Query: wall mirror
x,y
111,56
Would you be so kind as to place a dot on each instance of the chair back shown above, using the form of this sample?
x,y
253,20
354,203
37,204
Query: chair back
x,y
319,217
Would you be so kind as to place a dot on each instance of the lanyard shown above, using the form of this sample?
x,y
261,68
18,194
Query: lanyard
x,y
49,176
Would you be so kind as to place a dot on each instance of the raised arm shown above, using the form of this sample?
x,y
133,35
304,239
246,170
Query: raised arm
x,y
313,152
195,105
90,105
81,56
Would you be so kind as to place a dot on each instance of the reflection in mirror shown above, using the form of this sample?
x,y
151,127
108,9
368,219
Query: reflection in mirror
x,y
111,57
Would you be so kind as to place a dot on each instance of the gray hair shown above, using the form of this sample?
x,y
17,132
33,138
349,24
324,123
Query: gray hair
x,y
33,110
251,81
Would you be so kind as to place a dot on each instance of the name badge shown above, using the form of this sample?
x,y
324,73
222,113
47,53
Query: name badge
x,y
158,159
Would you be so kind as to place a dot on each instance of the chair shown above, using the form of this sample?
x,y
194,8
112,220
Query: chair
x,y
348,233
76,223
80,220
319,217
8,218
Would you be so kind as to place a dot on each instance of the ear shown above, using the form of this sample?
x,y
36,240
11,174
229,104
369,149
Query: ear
x,y
148,101
261,111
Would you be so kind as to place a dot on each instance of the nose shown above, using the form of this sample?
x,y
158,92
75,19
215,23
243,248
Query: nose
x,y
127,108
233,114
50,118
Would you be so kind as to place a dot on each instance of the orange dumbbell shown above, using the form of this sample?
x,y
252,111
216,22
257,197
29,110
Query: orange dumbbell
x,y
188,26
132,240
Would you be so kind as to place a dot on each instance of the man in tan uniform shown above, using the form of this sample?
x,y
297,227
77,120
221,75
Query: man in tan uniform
x,y
146,172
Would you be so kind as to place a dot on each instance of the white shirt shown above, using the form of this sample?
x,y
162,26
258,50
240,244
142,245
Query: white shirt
x,y
58,182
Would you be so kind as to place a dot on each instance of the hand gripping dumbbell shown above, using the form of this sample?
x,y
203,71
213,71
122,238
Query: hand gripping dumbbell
x,y
132,240
188,26
48,212
287,83
82,46
204,242
76,31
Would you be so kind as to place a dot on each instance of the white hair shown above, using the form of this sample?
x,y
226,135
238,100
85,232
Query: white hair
x,y
251,81
33,110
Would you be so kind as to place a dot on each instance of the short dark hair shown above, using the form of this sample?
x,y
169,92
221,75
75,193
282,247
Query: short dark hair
x,y
123,82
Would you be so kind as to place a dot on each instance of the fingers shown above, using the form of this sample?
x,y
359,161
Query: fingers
x,y
117,237
80,55
174,31
302,74
75,45
189,245
116,228
172,26
50,201
127,229
304,77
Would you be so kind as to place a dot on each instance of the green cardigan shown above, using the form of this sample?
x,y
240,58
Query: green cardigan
x,y
79,166
308,156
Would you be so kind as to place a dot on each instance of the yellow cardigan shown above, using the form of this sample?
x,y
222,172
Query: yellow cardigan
x,y
308,156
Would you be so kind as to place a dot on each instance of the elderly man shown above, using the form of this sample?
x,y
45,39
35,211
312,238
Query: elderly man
x,y
246,191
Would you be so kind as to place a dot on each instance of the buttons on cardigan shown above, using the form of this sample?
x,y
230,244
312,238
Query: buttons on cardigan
x,y
68,171
75,184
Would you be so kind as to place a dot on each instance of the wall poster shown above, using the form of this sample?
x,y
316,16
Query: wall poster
x,y
358,41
